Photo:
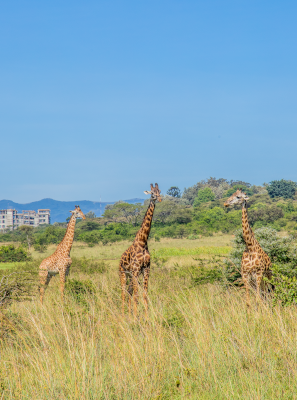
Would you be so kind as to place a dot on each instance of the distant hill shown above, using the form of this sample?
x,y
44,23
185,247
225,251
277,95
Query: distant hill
x,y
60,209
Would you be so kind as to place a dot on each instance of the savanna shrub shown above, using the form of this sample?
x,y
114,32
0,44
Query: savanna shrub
x,y
11,253
78,289
18,284
285,287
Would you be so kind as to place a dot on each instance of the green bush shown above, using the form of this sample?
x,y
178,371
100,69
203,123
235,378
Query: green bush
x,y
203,196
91,238
18,284
285,287
79,290
282,188
11,253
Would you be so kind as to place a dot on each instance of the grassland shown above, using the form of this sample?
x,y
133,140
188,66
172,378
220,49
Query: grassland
x,y
199,342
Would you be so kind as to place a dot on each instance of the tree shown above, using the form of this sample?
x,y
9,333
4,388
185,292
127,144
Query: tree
x,y
90,214
282,188
169,210
28,231
239,183
123,212
203,196
89,226
174,191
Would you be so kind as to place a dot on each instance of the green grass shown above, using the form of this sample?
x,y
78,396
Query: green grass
x,y
11,265
173,252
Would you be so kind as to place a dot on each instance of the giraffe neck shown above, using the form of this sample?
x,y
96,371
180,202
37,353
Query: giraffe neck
x,y
66,244
247,232
143,233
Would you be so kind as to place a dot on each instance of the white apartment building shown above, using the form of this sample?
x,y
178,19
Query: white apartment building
x,y
12,219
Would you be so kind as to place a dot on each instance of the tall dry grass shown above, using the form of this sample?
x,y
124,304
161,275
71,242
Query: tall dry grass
x,y
198,343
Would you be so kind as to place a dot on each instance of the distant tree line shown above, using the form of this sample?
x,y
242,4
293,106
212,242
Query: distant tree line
x,y
198,210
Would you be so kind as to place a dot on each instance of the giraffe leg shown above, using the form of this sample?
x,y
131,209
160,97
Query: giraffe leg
x,y
123,286
259,284
62,284
135,291
146,274
269,286
245,279
44,280
130,294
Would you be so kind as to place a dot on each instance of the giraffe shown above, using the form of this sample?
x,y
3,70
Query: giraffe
x,y
255,263
136,259
60,261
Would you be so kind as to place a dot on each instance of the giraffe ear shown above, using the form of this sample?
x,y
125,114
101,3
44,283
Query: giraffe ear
x,y
146,192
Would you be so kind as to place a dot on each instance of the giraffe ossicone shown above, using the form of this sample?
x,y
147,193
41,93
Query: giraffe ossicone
x,y
255,263
135,261
59,262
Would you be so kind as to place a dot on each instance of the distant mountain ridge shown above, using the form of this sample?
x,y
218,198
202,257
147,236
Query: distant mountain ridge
x,y
60,209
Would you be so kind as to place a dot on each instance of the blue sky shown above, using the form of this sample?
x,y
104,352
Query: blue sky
x,y
101,98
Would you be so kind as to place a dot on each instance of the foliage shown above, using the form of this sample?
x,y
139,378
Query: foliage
x,y
207,271
265,215
282,188
174,217
40,247
91,237
174,191
203,196
11,253
285,287
90,214
79,289
28,231
123,212
18,284
218,187
88,225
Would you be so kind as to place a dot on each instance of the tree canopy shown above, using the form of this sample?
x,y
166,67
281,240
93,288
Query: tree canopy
x,y
203,196
174,191
282,188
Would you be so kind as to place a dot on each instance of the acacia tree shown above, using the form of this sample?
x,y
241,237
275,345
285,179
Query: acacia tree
x,y
174,191
123,212
28,231
90,214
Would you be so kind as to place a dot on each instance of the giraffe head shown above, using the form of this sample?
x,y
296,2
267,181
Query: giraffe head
x,y
237,198
77,213
155,192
